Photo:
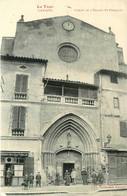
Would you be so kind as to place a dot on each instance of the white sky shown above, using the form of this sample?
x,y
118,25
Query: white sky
x,y
11,11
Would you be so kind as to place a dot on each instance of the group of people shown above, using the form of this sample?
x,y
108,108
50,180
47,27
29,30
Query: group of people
x,y
96,178
29,180
70,177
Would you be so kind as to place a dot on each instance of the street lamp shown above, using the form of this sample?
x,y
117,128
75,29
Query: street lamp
x,y
109,137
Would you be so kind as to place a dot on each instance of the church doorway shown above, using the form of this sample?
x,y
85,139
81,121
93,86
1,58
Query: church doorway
x,y
68,167
68,160
69,143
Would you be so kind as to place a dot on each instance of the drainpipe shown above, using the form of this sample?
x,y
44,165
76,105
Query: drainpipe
x,y
101,127
101,123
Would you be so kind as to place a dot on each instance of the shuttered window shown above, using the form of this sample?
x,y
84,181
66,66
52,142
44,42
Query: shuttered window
x,y
21,83
53,90
29,166
88,93
18,123
123,129
116,102
21,87
70,92
113,78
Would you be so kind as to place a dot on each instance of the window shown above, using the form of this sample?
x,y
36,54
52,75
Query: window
x,y
2,169
2,84
71,92
18,123
21,87
113,78
116,102
18,170
123,129
68,53
88,93
53,90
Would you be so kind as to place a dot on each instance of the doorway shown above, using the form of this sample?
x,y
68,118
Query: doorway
x,y
11,166
67,166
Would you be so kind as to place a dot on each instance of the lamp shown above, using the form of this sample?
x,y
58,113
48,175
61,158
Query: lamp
x,y
109,137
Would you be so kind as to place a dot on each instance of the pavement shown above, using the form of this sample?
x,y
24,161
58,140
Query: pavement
x,y
51,189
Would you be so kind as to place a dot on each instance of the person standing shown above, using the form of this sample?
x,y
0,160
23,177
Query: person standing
x,y
67,178
38,179
100,177
9,176
84,175
94,177
26,182
57,178
31,180
73,176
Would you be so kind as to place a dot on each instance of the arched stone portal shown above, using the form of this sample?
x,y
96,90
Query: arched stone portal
x,y
68,160
68,139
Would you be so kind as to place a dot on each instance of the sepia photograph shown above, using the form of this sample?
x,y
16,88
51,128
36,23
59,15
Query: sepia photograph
x,y
63,97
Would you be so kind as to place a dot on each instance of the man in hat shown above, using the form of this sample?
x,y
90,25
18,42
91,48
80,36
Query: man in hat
x,y
38,179
84,175
9,176
100,177
31,180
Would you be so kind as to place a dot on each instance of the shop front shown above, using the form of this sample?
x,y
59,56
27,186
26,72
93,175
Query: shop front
x,y
19,163
117,161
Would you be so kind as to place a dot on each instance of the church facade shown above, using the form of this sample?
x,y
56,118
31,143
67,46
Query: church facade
x,y
63,101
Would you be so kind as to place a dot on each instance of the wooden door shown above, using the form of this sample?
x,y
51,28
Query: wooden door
x,y
112,169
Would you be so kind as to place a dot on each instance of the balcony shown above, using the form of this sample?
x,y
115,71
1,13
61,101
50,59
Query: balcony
x,y
71,100
17,132
54,99
20,96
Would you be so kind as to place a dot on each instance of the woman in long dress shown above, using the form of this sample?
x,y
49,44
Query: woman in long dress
x,y
67,178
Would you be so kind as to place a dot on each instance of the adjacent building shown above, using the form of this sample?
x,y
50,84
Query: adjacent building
x,y
63,101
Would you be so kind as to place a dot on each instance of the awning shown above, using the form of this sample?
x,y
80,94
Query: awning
x,y
116,147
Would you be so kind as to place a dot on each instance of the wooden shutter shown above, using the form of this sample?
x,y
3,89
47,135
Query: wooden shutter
x,y
21,83
71,92
15,121
85,93
113,78
22,117
93,94
29,166
112,168
123,129
18,83
119,165
24,83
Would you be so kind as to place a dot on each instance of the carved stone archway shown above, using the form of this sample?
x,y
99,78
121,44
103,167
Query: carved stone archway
x,y
70,132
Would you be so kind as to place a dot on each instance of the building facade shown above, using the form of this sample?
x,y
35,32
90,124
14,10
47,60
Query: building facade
x,y
63,101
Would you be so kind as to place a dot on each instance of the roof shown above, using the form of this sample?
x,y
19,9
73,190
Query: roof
x,y
110,72
22,59
70,17
116,147
76,83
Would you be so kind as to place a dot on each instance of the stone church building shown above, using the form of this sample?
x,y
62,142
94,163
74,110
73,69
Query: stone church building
x,y
63,101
